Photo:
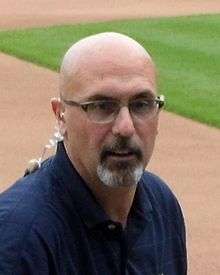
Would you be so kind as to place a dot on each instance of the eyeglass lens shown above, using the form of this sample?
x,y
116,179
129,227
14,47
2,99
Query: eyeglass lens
x,y
106,111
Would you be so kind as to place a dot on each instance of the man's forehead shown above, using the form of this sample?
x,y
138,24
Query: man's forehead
x,y
106,95
119,83
115,89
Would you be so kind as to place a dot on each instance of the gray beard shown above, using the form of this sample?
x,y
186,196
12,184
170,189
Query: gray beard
x,y
124,177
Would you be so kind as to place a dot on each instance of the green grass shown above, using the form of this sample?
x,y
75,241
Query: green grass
x,y
185,49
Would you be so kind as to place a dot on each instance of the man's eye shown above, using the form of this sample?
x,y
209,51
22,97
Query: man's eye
x,y
104,106
139,106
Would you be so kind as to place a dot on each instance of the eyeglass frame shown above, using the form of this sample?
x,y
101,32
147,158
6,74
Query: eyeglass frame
x,y
160,100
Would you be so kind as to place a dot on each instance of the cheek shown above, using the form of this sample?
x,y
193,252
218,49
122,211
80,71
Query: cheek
x,y
97,137
87,139
76,133
147,134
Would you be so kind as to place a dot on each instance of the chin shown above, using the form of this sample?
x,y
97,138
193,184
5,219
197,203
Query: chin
x,y
123,177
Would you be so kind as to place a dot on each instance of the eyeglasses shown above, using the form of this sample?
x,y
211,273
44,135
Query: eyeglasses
x,y
106,111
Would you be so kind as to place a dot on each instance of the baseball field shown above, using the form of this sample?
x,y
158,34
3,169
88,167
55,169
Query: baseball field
x,y
184,39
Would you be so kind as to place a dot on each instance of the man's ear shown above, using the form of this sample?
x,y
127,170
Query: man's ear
x,y
58,110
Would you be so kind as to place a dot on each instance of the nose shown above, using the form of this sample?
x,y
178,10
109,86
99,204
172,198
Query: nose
x,y
123,124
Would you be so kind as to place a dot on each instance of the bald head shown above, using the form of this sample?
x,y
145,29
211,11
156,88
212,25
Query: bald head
x,y
95,55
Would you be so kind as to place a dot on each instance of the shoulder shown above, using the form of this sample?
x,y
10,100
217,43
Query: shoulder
x,y
21,206
157,188
24,198
164,201
166,214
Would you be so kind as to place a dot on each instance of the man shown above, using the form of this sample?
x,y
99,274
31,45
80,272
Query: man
x,y
91,209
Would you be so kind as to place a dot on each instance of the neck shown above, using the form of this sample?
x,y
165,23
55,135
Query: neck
x,y
116,201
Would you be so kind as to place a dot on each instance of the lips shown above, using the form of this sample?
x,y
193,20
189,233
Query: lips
x,y
121,154
121,149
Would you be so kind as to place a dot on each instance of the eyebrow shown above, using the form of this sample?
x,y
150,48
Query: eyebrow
x,y
148,94
99,97
143,94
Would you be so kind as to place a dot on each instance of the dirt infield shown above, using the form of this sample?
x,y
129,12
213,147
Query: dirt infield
x,y
23,13
187,153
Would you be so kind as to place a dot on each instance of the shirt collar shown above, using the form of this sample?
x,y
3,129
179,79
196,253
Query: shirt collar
x,y
142,205
79,194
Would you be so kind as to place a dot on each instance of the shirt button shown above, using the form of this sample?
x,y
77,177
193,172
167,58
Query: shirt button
x,y
111,226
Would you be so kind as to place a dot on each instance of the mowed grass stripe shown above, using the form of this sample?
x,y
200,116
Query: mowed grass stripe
x,y
186,51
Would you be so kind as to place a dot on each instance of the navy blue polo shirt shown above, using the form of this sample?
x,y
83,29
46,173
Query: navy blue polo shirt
x,y
51,223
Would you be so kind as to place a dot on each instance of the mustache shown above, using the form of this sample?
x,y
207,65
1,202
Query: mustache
x,y
121,144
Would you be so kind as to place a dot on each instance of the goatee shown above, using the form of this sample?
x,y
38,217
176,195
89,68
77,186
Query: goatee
x,y
120,163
